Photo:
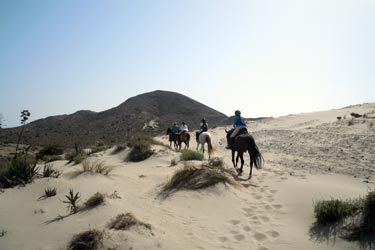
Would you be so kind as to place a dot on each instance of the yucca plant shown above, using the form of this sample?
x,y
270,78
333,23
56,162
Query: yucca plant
x,y
48,192
49,171
72,200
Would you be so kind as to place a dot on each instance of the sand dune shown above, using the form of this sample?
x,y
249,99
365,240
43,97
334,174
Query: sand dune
x,y
308,157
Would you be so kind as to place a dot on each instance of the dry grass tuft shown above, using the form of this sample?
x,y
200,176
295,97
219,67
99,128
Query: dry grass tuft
x,y
97,167
95,200
88,240
194,178
126,221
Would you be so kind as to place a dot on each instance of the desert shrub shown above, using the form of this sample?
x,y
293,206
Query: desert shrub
x,y
72,201
48,192
72,156
20,170
142,139
338,118
88,240
355,115
190,155
126,221
216,162
368,219
140,151
351,122
97,167
94,200
173,162
79,158
49,171
194,178
118,149
49,150
2,232
333,210
97,149
50,158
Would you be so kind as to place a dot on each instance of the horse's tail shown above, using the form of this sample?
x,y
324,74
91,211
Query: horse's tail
x,y
210,148
255,154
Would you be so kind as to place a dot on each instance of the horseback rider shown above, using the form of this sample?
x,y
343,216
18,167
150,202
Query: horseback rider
x,y
239,125
184,128
174,128
203,128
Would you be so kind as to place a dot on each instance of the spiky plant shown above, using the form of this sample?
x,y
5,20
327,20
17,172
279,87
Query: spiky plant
x,y
72,201
49,171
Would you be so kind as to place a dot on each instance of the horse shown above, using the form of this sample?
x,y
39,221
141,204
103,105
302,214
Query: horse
x,y
173,138
184,137
242,143
203,138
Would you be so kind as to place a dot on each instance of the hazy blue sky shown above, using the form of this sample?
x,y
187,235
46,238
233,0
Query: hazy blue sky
x,y
265,57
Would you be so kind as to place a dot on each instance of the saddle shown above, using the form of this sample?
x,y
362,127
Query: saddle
x,y
241,132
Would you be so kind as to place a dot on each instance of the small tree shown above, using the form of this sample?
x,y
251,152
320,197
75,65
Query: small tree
x,y
25,114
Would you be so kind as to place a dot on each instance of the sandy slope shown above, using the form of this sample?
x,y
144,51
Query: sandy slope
x,y
308,157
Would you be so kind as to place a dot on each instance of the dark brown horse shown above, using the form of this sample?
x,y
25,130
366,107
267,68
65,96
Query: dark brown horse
x,y
242,143
175,138
184,137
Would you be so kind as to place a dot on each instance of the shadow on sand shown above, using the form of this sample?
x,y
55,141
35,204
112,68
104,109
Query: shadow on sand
x,y
330,232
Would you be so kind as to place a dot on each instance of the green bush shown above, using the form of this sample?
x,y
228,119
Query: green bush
x,y
216,162
143,139
53,149
369,212
20,170
79,158
48,192
333,210
140,151
190,155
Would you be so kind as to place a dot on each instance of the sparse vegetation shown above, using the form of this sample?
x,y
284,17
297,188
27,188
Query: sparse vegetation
x,y
96,167
351,122
327,211
72,201
190,155
126,221
48,192
49,151
143,139
338,118
194,178
355,115
20,170
336,210
216,162
2,232
173,162
25,114
88,240
95,200
51,158
49,171
140,151
118,149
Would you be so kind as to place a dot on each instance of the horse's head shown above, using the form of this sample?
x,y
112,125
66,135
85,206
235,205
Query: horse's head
x,y
229,132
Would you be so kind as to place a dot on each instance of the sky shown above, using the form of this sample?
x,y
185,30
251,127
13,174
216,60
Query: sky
x,y
264,57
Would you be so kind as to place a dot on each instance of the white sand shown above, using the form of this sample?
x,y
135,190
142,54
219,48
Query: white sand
x,y
273,211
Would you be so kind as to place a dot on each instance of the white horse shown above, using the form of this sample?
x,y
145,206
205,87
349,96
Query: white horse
x,y
205,137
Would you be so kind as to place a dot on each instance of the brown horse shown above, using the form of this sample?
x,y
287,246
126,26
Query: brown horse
x,y
242,143
184,137
173,138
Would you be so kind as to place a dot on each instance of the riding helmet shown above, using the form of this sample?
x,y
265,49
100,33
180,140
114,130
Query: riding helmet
x,y
203,120
237,112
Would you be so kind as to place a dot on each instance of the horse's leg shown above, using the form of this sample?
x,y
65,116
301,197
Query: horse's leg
x,y
242,162
238,156
234,165
251,166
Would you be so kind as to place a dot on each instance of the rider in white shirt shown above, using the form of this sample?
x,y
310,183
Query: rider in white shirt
x,y
184,127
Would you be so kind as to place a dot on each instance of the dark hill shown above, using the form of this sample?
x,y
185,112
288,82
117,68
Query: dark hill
x,y
150,113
